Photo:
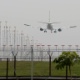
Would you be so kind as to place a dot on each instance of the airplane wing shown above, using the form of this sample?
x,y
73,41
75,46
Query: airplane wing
x,y
27,25
73,26
59,29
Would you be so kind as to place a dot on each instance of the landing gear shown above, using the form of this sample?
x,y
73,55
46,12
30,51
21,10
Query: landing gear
x,y
45,31
55,31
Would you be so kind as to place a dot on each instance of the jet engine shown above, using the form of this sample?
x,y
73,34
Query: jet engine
x,y
41,29
59,29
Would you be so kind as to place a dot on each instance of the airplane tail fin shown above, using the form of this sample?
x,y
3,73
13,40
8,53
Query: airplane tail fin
x,y
49,16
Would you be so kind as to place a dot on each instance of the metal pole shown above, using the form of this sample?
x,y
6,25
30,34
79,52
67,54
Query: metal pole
x,y
14,37
21,44
6,35
49,65
4,42
66,72
4,51
42,52
62,47
56,47
24,50
14,54
77,48
14,65
38,51
69,47
31,62
7,68
49,60
11,51
9,35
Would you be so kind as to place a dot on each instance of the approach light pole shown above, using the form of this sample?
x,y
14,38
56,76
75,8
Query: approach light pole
x,y
62,47
38,49
56,48
77,48
70,47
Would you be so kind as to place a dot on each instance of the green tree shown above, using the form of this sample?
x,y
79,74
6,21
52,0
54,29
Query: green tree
x,y
67,59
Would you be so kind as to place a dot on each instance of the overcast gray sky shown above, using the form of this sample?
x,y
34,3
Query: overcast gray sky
x,y
67,12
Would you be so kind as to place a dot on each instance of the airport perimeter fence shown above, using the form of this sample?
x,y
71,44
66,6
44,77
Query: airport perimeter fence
x,y
17,67
34,63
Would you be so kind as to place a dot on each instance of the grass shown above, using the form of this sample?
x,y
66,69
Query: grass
x,y
41,68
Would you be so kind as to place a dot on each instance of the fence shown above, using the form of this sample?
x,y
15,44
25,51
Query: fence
x,y
33,62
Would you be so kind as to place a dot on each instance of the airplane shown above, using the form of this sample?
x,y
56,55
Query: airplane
x,y
50,26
